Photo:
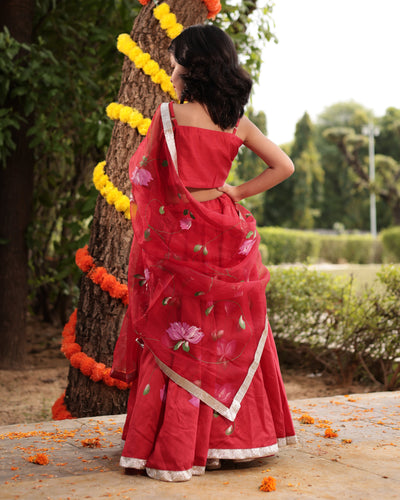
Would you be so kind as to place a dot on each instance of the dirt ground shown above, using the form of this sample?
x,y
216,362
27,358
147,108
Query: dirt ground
x,y
27,395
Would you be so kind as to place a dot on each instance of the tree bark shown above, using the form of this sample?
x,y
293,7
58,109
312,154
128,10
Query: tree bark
x,y
16,187
99,316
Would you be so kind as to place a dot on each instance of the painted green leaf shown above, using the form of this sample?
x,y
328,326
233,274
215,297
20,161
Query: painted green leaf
x,y
142,282
166,300
197,248
178,344
205,251
162,210
147,234
242,323
215,414
191,215
199,293
146,390
209,309
249,235
186,211
139,276
165,163
186,347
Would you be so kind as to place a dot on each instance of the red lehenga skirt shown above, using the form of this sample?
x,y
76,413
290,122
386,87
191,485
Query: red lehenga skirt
x,y
195,341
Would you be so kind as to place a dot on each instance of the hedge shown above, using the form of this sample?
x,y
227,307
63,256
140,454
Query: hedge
x,y
353,336
292,246
391,244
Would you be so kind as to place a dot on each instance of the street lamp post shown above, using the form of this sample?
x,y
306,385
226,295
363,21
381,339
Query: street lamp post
x,y
371,131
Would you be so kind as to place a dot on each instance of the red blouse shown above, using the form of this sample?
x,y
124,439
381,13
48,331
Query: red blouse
x,y
204,156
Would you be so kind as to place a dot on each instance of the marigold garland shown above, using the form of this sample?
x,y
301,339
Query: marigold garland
x,y
100,276
143,60
107,189
59,410
167,20
128,115
78,359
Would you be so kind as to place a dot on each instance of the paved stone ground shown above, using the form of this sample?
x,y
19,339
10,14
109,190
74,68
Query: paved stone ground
x,y
368,467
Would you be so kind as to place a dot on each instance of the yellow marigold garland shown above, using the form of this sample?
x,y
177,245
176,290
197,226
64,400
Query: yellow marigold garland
x,y
128,115
167,20
107,189
143,60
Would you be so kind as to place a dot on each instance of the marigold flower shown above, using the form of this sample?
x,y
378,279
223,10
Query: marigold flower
x,y
97,372
167,21
87,365
161,10
329,433
39,459
70,349
268,484
306,419
122,204
76,359
91,442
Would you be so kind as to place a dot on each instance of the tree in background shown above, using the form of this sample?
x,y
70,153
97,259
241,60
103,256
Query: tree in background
x,y
250,165
308,182
344,201
16,184
353,148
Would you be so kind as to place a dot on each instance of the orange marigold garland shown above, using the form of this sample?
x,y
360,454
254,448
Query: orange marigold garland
x,y
100,276
59,410
81,361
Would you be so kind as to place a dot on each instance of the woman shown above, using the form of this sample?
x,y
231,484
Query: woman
x,y
195,342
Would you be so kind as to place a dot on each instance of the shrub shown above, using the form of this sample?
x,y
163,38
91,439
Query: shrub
x,y
351,335
355,248
288,245
391,244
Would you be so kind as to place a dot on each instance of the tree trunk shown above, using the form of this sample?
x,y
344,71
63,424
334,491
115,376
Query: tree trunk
x,y
100,316
16,187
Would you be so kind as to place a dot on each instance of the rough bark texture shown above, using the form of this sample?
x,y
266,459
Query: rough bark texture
x,y
99,316
16,187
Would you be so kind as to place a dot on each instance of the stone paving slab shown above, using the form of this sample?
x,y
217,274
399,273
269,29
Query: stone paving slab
x,y
368,467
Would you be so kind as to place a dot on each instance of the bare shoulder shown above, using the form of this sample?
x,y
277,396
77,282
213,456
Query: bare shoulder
x,y
247,131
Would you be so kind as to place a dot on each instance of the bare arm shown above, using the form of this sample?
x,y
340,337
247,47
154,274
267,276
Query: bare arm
x,y
280,166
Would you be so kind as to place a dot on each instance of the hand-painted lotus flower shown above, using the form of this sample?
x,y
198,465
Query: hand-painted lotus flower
x,y
186,223
246,246
141,176
182,331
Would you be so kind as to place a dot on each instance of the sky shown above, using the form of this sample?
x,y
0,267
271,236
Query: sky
x,y
329,51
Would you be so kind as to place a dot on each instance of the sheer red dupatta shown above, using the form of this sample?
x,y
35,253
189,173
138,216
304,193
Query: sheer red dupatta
x,y
196,284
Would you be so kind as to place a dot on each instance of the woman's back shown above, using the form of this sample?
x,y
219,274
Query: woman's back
x,y
205,152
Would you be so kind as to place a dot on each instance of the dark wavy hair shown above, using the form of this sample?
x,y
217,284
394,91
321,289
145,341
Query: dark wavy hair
x,y
213,76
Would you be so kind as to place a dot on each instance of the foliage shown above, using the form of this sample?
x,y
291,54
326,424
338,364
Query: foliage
x,y
355,248
250,25
346,135
62,82
391,243
354,336
289,245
